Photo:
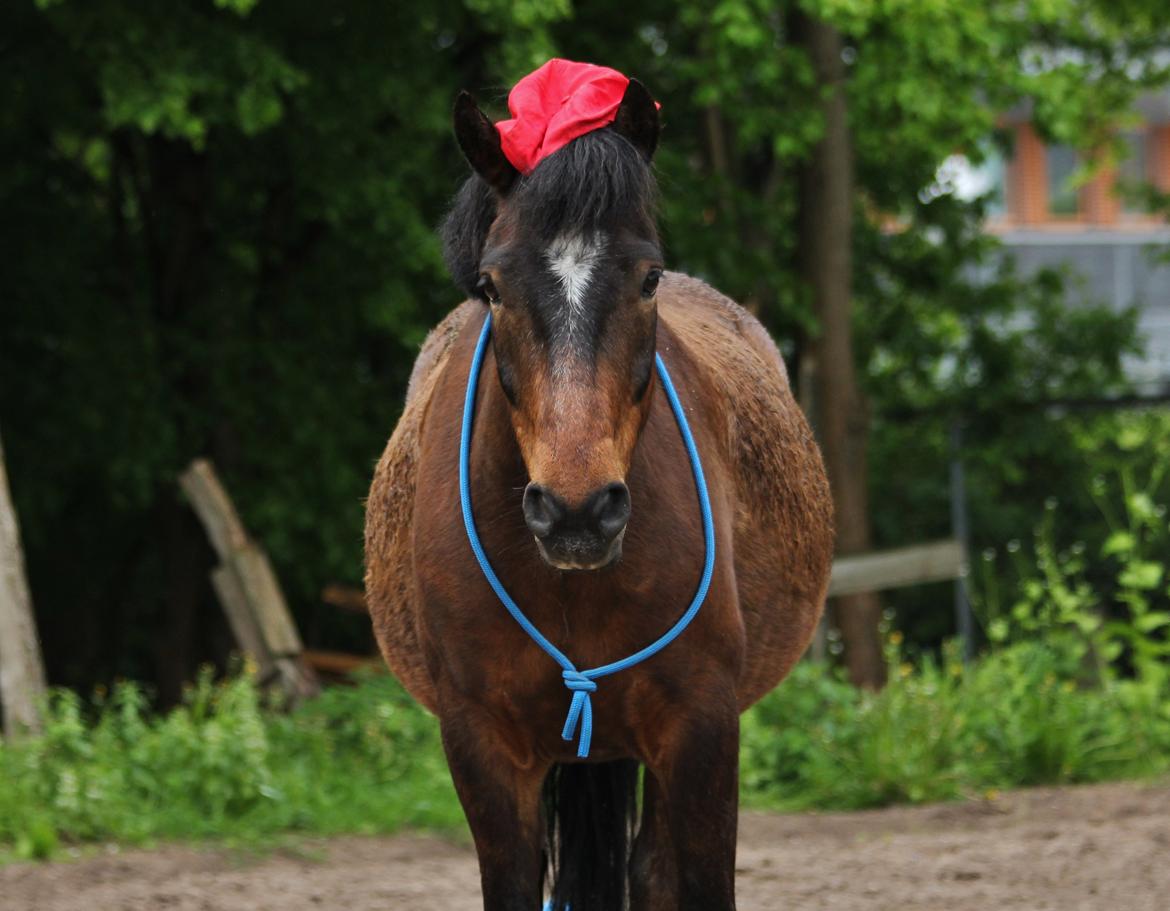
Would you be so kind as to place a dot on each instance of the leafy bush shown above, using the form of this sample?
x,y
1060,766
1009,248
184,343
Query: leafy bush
x,y
1109,591
1075,688
367,759
360,759
1020,716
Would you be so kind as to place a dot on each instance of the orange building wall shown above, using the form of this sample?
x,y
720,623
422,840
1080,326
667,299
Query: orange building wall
x,y
1029,189
1161,157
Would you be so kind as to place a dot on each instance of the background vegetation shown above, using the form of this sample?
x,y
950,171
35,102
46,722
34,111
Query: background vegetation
x,y
218,241
1074,686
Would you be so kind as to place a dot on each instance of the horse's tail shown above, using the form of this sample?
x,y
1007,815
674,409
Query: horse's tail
x,y
590,809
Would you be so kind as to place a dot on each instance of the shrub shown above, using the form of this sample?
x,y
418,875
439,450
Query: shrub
x,y
1019,716
357,759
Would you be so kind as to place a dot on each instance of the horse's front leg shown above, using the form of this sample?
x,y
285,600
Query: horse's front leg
x,y
499,783
698,771
653,877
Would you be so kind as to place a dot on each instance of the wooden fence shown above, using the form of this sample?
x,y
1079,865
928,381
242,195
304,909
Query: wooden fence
x,y
939,561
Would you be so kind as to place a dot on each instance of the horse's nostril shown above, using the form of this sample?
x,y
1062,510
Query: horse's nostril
x,y
542,510
611,509
580,530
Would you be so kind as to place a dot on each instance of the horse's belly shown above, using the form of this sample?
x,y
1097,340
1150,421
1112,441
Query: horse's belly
x,y
780,612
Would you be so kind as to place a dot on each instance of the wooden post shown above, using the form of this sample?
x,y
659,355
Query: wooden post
x,y
22,673
248,590
964,618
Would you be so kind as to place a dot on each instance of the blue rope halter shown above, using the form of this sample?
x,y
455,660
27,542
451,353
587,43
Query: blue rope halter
x,y
582,683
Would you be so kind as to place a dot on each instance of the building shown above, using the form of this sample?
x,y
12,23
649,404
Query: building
x,y
1117,253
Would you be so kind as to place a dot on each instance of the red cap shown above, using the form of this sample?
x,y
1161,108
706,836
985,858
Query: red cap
x,y
554,105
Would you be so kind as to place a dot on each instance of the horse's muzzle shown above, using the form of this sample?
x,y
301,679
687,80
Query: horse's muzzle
x,y
586,537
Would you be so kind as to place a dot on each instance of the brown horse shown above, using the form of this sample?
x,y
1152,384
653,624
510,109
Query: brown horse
x,y
587,509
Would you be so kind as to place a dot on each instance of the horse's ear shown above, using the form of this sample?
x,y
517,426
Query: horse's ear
x,y
480,141
637,119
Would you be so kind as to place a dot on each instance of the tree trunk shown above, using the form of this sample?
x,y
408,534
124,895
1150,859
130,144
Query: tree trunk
x,y
826,242
22,674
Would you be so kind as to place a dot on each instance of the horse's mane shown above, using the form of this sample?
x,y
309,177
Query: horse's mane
x,y
597,181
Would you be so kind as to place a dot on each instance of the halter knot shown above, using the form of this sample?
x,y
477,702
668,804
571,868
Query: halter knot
x,y
580,709
578,682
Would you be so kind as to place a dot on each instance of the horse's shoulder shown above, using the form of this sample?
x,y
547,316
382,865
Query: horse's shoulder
x,y
393,487
394,476
769,445
435,348
724,337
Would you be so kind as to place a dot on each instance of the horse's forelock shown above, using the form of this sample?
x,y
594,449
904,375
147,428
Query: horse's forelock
x,y
598,182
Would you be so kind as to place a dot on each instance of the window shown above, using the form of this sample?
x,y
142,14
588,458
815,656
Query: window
x,y
994,173
1132,173
1062,195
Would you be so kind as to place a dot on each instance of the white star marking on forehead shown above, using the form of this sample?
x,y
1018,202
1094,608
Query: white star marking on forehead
x,y
572,259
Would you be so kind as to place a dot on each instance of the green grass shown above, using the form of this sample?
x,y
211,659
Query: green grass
x,y
363,759
1020,716
366,759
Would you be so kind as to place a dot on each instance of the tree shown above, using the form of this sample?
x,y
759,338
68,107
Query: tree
x,y
826,255
219,242
22,675
219,235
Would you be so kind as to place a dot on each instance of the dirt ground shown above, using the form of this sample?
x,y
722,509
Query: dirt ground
x,y
1101,847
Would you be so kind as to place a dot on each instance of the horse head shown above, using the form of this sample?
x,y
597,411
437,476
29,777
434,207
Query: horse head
x,y
567,259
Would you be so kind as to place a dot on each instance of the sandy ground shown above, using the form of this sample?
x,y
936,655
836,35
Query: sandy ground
x,y
1102,847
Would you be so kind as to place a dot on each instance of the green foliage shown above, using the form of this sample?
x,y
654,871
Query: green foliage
x,y
219,242
1075,688
1017,717
220,231
355,760
988,361
1111,593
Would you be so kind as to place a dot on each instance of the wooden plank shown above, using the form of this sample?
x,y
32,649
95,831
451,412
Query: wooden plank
x,y
339,662
22,673
248,589
935,562
235,605
345,597
269,609
296,680
214,507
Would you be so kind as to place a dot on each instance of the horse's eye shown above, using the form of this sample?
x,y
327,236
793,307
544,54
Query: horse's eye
x,y
650,285
486,289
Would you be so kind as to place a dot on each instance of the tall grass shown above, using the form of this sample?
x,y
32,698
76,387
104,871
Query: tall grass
x,y
362,759
1020,716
